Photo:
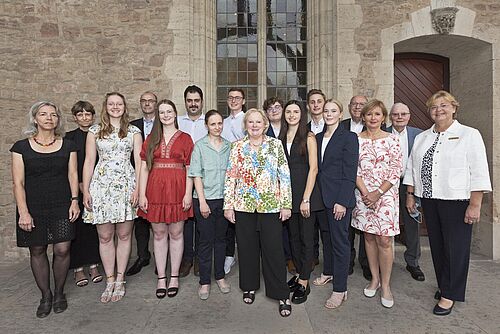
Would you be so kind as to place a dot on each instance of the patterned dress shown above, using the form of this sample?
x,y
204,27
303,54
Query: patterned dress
x,y
113,181
379,160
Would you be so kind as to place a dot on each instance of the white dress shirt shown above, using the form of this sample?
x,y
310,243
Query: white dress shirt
x,y
403,141
233,127
317,127
356,127
195,128
459,163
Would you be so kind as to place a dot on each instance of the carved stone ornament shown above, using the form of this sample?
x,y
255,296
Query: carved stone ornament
x,y
443,19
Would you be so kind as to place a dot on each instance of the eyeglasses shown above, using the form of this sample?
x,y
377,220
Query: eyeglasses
x,y
150,101
235,98
403,114
441,106
274,109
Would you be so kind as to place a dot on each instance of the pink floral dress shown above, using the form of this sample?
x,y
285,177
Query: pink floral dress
x,y
379,160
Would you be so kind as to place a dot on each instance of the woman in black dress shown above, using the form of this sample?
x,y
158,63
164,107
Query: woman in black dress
x,y
44,172
85,246
301,152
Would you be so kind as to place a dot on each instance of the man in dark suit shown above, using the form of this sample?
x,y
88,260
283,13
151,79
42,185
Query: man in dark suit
x,y
400,116
148,102
355,124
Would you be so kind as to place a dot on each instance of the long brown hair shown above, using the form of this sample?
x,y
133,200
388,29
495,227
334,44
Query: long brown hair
x,y
106,127
302,130
156,134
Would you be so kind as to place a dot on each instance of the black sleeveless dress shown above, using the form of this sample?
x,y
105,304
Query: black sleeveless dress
x,y
299,168
48,194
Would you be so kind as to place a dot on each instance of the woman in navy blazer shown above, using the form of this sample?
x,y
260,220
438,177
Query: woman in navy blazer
x,y
338,153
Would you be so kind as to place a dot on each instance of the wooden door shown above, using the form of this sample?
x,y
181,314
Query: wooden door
x,y
416,77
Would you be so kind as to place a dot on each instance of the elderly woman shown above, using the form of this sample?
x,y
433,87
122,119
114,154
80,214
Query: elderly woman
x,y
85,246
377,204
448,170
257,198
44,171
110,191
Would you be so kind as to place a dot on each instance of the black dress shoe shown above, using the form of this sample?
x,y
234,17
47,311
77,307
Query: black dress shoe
x,y
293,283
416,273
438,310
137,266
300,294
437,295
45,306
60,303
367,274
185,268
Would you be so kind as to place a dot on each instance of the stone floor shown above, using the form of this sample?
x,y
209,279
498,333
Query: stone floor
x,y
141,312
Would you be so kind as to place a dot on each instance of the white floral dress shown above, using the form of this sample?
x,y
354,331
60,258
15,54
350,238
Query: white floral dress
x,y
113,180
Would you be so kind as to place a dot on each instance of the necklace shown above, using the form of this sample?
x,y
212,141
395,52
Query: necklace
x,y
42,144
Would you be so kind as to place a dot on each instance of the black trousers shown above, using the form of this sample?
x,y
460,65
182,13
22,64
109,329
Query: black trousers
x,y
362,258
301,235
339,232
450,240
321,224
230,240
142,233
412,230
190,236
259,235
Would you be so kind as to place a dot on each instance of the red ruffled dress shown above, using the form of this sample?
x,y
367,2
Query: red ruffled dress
x,y
167,180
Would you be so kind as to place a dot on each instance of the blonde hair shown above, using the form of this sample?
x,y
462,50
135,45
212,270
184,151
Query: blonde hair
x,y
445,95
106,127
372,104
253,111
341,107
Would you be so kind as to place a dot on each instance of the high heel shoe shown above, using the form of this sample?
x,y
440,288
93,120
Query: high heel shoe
x,y
172,292
161,292
336,299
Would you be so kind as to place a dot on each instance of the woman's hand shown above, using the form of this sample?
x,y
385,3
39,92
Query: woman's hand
x,y
285,214
229,215
305,209
339,211
143,203
87,201
371,198
472,214
74,211
134,197
410,204
204,209
186,202
26,222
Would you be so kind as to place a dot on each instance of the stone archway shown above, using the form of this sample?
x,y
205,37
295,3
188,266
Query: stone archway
x,y
472,81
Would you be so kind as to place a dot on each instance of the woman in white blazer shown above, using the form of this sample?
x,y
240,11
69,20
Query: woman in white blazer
x,y
448,170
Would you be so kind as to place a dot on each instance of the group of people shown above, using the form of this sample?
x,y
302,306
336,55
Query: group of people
x,y
263,181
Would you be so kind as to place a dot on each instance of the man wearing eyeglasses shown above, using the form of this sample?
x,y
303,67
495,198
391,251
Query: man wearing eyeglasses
x,y
145,124
400,116
233,130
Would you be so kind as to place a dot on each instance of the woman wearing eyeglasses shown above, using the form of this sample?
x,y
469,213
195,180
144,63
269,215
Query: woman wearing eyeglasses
x,y
448,170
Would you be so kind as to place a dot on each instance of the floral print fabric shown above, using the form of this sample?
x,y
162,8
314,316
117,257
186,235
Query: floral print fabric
x,y
379,160
113,180
257,180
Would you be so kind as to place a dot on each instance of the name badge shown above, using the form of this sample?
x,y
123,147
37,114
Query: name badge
x,y
453,138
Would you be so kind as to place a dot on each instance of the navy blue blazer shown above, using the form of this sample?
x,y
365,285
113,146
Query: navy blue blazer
x,y
338,170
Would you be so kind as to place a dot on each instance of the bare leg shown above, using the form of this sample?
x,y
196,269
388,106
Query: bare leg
x,y
124,233
373,260
176,246
160,246
107,250
385,258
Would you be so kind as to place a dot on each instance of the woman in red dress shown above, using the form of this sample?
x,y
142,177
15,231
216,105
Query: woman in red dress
x,y
165,192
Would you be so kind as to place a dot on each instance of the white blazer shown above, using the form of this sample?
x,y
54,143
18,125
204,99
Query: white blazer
x,y
459,163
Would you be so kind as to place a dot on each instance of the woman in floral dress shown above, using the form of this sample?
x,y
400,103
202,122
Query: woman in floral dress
x,y
377,202
110,190
258,198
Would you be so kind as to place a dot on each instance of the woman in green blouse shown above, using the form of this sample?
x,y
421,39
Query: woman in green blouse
x,y
258,198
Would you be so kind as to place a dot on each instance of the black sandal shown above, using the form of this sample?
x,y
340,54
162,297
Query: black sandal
x,y
161,292
248,295
172,292
284,306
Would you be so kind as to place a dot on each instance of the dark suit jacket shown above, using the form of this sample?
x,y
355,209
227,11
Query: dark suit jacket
x,y
338,170
140,124
411,132
309,127
270,132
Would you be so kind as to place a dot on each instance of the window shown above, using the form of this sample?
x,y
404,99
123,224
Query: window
x,y
238,58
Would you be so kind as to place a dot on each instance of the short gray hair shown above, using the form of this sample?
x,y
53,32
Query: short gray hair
x,y
32,128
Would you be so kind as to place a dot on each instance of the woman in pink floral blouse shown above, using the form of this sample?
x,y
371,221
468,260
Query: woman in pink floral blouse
x,y
377,205
258,198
